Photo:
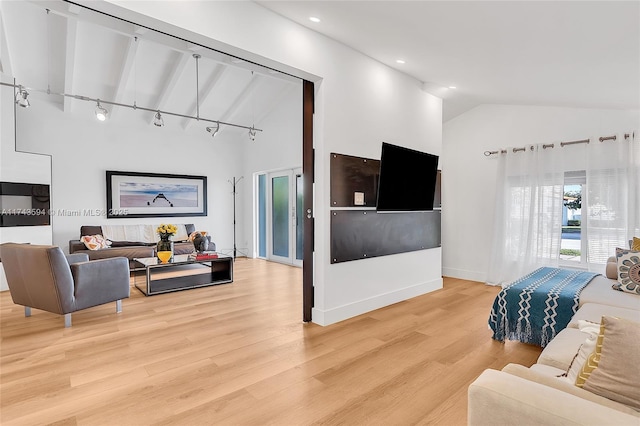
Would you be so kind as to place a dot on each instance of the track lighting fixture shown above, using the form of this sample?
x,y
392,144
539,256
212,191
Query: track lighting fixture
x,y
157,120
214,130
22,97
101,113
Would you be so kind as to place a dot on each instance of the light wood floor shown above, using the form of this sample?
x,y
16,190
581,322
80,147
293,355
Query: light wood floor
x,y
238,354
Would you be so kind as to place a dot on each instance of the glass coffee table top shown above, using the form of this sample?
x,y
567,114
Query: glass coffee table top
x,y
178,259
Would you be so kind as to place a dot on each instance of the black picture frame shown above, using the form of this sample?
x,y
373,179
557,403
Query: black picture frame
x,y
137,195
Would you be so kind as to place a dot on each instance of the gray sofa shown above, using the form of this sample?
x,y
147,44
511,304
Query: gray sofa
x,y
129,249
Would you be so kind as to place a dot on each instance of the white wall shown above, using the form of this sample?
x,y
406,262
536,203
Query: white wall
x,y
469,178
359,104
22,168
83,149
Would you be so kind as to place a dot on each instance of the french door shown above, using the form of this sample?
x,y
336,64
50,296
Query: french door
x,y
280,216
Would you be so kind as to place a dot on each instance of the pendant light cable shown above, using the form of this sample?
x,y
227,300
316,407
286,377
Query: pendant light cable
x,y
197,57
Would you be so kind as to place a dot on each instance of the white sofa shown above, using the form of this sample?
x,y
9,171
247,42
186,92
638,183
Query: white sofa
x,y
537,395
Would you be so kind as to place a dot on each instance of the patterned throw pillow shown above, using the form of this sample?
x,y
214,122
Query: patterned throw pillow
x,y
95,242
585,350
628,271
592,360
193,235
635,244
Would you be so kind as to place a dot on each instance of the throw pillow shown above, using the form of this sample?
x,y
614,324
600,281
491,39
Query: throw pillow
x,y
618,373
193,235
635,244
628,265
95,242
585,349
592,360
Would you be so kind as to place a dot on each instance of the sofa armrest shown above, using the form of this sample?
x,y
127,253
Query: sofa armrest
x,y
499,398
77,258
76,245
100,281
612,268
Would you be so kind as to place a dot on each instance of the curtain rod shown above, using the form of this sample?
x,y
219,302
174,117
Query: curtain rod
x,y
134,106
562,144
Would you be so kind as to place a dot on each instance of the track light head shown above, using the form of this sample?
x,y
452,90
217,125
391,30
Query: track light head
x,y
157,120
252,133
101,113
22,97
214,130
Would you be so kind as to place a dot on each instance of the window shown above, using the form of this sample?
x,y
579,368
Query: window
x,y
571,243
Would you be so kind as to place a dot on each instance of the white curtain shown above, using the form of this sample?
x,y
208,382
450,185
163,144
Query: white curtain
x,y
529,201
612,197
528,216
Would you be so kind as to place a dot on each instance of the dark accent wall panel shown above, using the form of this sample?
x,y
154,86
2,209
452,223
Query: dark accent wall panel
x,y
24,204
360,234
350,175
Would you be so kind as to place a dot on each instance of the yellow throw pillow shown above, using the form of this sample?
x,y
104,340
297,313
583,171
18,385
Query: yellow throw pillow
x,y
592,360
635,244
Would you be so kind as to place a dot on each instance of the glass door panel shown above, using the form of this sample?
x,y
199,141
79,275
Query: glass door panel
x,y
262,216
280,216
299,218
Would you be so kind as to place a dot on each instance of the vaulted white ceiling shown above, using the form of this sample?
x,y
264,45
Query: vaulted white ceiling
x,y
77,51
561,53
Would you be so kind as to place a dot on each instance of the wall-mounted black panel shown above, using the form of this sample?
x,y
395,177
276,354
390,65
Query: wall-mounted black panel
x,y
24,204
360,234
352,176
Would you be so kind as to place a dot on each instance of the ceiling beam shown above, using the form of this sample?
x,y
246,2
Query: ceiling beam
x,y
70,61
240,100
206,92
169,85
125,71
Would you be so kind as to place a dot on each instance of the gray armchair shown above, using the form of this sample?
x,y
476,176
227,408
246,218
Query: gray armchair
x,y
42,277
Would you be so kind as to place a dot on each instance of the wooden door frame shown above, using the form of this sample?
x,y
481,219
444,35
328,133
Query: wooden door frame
x,y
307,203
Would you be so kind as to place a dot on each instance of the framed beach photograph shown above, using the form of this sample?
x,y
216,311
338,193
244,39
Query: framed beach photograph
x,y
133,194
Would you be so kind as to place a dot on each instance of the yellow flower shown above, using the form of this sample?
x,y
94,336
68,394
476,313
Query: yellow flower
x,y
167,229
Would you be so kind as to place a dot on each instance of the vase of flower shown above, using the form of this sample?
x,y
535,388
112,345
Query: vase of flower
x,y
164,248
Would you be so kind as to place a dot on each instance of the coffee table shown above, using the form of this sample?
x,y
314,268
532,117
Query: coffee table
x,y
153,277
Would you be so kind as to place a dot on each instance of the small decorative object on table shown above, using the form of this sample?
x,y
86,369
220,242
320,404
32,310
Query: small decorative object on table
x,y
205,255
165,244
200,241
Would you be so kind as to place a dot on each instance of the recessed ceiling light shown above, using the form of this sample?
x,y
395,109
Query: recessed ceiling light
x,y
452,87
314,19
400,61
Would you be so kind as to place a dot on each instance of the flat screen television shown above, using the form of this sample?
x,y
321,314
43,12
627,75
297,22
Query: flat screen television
x,y
407,179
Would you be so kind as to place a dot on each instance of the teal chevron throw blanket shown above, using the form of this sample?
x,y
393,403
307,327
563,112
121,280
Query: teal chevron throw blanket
x,y
538,306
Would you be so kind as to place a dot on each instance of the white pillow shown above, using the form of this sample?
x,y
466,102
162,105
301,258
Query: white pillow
x,y
585,350
588,326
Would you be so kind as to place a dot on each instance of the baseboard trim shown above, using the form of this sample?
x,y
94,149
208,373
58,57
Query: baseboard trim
x,y
350,310
464,274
